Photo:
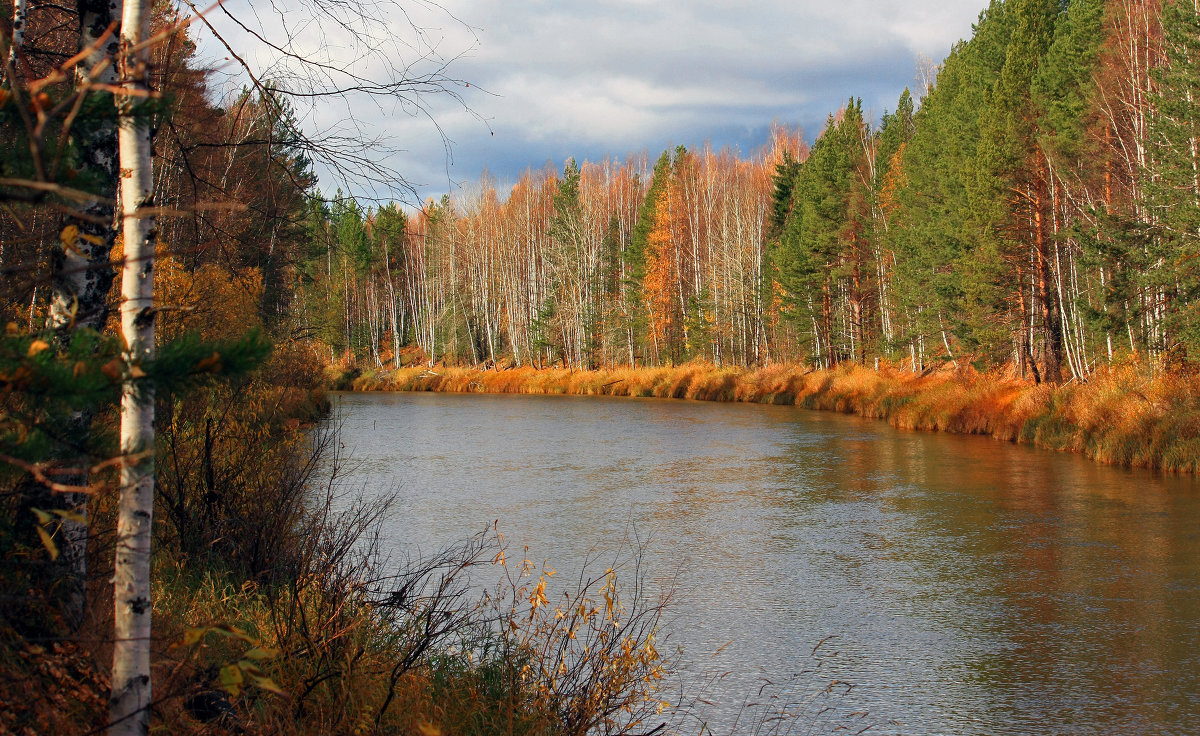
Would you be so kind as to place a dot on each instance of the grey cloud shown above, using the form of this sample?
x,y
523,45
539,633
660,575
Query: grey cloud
x,y
589,79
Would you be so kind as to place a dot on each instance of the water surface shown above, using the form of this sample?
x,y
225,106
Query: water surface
x,y
960,585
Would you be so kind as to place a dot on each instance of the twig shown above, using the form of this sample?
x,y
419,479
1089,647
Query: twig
x,y
40,471
51,188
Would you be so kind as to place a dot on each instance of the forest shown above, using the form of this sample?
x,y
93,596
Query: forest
x,y
1033,208
179,292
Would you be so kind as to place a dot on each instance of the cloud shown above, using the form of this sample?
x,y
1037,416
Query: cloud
x,y
553,79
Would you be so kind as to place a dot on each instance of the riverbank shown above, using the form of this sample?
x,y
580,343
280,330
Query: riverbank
x,y
1120,417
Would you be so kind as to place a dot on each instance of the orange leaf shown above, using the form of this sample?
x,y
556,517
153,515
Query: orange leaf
x,y
112,369
211,364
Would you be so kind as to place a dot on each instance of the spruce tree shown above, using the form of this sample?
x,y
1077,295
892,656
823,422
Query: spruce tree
x,y
639,242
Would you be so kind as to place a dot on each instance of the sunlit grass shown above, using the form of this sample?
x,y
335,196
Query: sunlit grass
x,y
1123,415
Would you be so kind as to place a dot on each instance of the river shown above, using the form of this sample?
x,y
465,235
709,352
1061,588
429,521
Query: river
x,y
950,584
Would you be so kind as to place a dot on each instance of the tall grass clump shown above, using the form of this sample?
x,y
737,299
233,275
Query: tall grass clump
x,y
1125,416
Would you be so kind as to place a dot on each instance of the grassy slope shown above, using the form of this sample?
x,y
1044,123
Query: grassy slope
x,y
1120,417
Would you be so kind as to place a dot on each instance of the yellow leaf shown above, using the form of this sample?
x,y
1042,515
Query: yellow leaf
x,y
93,239
68,236
211,364
136,372
36,347
231,679
266,683
191,637
261,653
74,516
538,597
232,633
43,517
12,329
112,369
47,542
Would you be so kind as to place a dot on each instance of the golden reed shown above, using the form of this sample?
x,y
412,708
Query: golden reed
x,y
1121,416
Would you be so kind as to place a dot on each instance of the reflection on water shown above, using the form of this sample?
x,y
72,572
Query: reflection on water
x,y
970,586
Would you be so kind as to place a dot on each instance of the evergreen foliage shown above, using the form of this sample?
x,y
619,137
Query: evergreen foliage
x,y
1174,181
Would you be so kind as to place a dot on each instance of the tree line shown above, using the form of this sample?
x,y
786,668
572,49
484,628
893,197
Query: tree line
x,y
604,264
1036,206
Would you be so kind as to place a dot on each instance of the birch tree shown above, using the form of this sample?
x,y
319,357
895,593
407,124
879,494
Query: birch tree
x,y
20,11
131,684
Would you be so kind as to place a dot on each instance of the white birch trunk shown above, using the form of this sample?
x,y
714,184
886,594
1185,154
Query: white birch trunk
x,y
18,34
131,687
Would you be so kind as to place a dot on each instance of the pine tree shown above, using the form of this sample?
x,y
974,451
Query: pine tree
x,y
946,276
783,180
1064,87
1072,135
567,270
820,251
895,131
1013,193
1174,187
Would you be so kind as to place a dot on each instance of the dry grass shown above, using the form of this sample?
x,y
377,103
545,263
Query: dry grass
x,y
422,653
1122,416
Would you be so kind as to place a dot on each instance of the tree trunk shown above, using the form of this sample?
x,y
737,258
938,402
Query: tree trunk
x,y
827,326
1051,326
18,35
131,691
81,279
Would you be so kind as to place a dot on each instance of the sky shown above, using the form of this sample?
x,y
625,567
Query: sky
x,y
529,84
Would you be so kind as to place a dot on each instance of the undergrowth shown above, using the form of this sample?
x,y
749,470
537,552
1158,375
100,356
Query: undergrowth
x,y
275,613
